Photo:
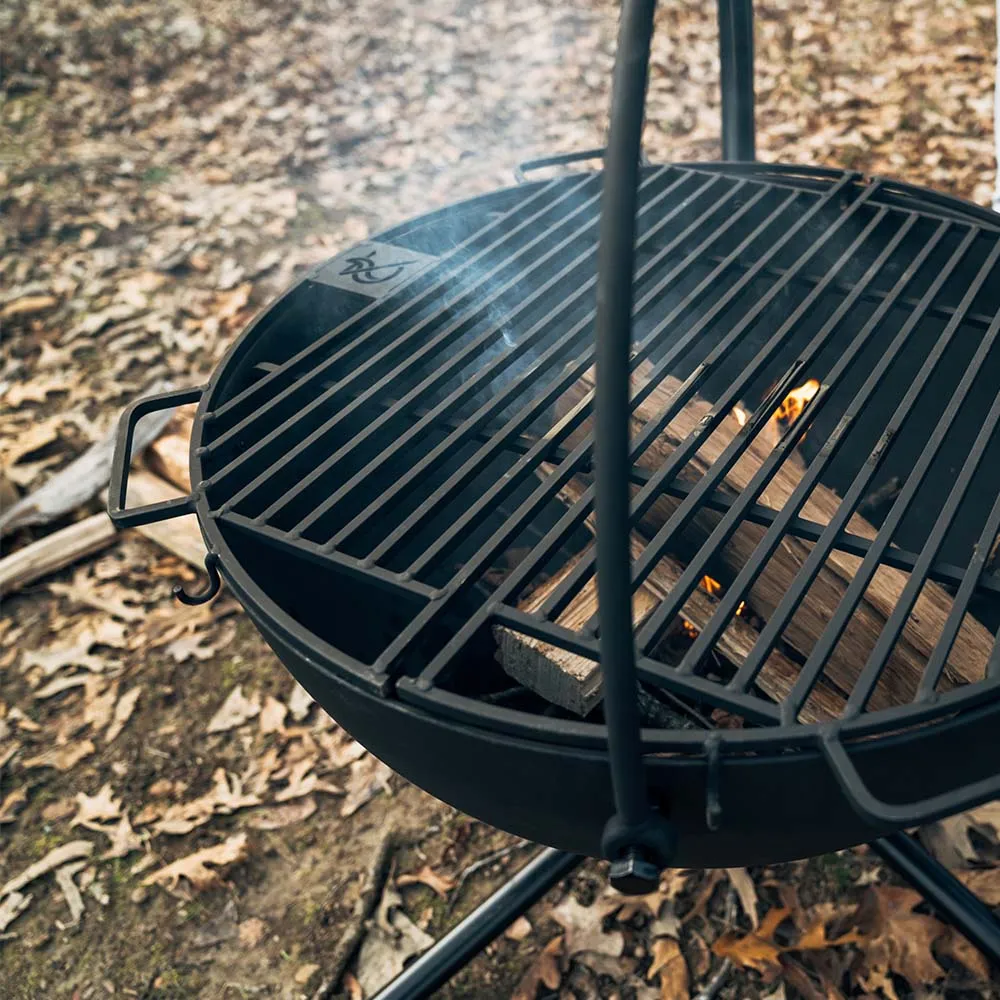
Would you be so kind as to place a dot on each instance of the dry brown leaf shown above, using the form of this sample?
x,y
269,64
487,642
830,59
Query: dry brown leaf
x,y
519,930
73,654
98,702
59,810
82,590
62,758
275,817
757,950
959,947
56,858
235,711
272,716
12,804
226,796
299,702
59,685
669,965
340,747
124,840
368,777
201,868
70,892
305,972
984,882
544,971
739,879
29,305
11,907
353,987
123,712
303,781
94,809
582,925
251,932
439,884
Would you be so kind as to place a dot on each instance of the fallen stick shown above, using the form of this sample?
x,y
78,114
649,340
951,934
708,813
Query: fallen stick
x,y
66,546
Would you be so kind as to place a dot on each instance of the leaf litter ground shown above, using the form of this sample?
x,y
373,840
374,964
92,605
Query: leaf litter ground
x,y
166,170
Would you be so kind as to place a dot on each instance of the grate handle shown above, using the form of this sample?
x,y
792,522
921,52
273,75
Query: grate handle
x,y
118,487
524,168
871,808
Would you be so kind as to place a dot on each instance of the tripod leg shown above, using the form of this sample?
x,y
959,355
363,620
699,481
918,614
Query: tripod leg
x,y
736,58
952,901
462,943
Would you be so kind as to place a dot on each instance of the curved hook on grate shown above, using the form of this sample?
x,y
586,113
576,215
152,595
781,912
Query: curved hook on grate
x,y
212,587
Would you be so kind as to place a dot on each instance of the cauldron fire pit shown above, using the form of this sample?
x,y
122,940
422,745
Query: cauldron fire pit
x,y
395,474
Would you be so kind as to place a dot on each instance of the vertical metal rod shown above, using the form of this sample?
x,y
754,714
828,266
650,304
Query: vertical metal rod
x,y
615,265
953,902
462,943
736,78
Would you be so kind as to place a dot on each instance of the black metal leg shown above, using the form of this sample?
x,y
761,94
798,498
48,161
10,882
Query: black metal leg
x,y
461,944
952,901
736,78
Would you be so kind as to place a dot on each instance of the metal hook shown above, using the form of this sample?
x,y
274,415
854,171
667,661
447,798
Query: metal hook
x,y
213,586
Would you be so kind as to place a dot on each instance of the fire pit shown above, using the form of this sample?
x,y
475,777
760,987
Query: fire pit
x,y
393,469
797,506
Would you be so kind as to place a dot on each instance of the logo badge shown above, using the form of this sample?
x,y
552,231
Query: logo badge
x,y
373,268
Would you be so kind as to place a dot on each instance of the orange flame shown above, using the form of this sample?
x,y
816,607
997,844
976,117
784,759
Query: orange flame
x,y
739,610
710,586
741,415
795,402
689,629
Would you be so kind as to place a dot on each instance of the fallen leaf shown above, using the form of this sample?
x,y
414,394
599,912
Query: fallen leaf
x,y
739,879
62,758
71,893
57,857
226,796
11,908
195,867
272,716
12,804
276,817
124,840
236,710
305,972
123,712
582,925
299,702
83,591
61,684
341,748
251,932
59,810
29,305
353,987
544,971
92,809
98,702
387,947
439,884
757,950
669,965
519,930
302,781
984,882
368,776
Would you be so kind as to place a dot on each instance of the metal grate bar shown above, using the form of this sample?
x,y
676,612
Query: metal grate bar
x,y
397,345
654,427
524,417
544,549
659,544
729,602
470,387
357,567
980,556
894,626
499,224
786,608
855,590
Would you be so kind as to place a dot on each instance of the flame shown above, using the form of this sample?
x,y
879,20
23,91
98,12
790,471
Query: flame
x,y
689,629
739,610
710,586
795,402
741,415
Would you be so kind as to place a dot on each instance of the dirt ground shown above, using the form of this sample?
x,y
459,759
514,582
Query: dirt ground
x,y
165,170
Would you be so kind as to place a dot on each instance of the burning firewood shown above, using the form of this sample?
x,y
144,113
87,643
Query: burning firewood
x,y
901,676
574,682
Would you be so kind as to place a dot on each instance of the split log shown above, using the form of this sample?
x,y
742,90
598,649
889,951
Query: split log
x,y
180,536
905,666
574,681
168,455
